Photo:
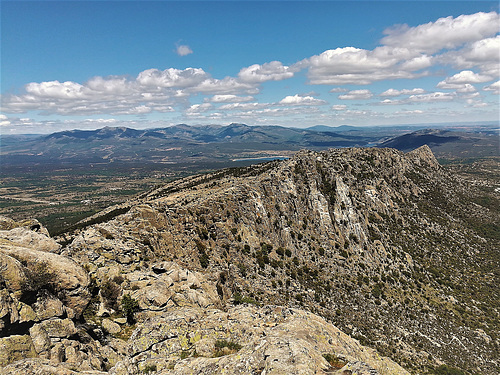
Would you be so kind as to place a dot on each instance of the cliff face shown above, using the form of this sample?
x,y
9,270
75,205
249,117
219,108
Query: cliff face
x,y
385,245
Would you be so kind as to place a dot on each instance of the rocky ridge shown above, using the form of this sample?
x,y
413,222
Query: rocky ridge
x,y
248,263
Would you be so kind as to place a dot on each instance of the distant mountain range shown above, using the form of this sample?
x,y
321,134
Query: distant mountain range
x,y
186,144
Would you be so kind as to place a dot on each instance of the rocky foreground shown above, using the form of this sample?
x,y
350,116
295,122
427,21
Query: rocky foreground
x,y
182,325
244,271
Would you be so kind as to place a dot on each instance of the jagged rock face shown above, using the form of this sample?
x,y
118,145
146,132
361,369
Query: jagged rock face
x,y
376,241
273,340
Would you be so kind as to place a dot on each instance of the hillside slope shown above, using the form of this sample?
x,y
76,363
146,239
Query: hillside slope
x,y
388,246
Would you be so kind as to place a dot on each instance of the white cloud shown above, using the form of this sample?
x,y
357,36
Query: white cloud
x,y
465,76
339,107
356,95
139,110
171,77
413,112
272,71
57,90
351,65
183,50
390,101
198,108
338,89
394,92
482,54
432,97
446,32
229,99
466,88
494,87
4,120
406,52
100,120
301,100
152,90
225,86
112,85
243,106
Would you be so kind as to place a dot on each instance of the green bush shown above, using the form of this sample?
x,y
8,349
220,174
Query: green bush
x,y
221,344
204,260
39,276
129,307
149,368
238,299
334,361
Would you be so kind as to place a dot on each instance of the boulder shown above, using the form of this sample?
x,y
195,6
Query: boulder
x,y
70,279
57,328
24,236
16,347
111,326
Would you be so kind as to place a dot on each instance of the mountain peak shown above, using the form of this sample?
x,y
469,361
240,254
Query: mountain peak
x,y
424,155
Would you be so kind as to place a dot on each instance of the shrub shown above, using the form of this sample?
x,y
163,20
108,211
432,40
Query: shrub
x,y
204,260
129,307
238,299
221,344
110,292
39,277
149,368
334,361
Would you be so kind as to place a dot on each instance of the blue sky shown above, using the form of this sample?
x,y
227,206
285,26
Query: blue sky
x,y
88,64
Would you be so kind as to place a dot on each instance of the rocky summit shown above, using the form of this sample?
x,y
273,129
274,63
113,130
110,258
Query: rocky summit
x,y
347,261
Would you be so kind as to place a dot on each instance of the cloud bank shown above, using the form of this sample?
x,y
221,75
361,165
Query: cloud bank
x,y
463,52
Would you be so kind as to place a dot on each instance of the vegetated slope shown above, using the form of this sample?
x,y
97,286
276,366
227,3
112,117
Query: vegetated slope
x,y
178,143
388,246
449,144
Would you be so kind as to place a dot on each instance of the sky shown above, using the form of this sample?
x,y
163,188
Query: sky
x,y
146,64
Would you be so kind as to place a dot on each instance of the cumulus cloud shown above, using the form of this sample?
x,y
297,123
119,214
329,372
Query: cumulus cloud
x,y
494,87
444,33
356,95
172,77
464,77
301,100
432,97
351,65
138,110
467,43
183,50
272,71
152,90
394,92
198,108
481,54
243,106
338,89
406,52
4,120
225,86
229,99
